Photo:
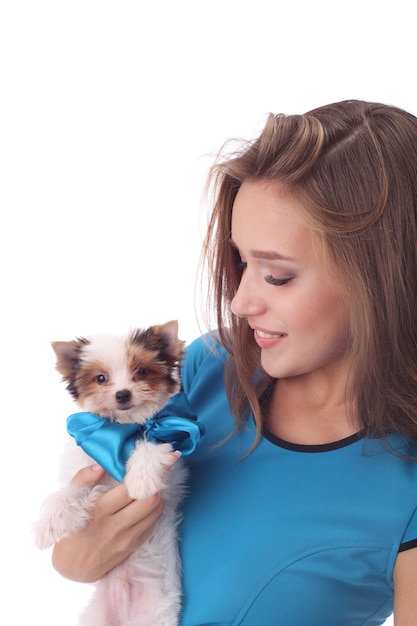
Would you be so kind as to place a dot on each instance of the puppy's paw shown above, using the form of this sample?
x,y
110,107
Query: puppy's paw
x,y
147,468
64,512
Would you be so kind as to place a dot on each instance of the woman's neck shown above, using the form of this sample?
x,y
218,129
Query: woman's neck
x,y
310,410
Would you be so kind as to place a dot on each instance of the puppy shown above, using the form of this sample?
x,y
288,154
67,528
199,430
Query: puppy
x,y
120,383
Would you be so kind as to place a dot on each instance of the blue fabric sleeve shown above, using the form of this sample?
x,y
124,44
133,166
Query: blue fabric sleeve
x,y
193,384
409,539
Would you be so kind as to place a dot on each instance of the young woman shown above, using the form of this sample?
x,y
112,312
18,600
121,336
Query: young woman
x,y
302,507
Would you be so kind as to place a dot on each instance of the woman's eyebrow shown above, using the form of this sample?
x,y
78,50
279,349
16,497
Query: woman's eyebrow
x,y
264,254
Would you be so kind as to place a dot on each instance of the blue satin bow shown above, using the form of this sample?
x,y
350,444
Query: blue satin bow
x,y
111,443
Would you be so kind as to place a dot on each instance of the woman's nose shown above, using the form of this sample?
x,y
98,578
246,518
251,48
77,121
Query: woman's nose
x,y
247,301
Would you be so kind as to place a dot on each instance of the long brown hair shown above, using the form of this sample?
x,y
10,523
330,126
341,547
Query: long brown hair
x,y
353,168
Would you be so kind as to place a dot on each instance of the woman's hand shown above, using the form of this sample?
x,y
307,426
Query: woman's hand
x,y
117,528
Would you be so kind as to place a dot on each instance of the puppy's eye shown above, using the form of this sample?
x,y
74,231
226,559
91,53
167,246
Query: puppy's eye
x,y
101,379
141,372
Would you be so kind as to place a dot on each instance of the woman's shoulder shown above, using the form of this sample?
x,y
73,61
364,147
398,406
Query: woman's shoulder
x,y
205,350
202,370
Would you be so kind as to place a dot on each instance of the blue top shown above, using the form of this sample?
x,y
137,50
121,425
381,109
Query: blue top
x,y
291,535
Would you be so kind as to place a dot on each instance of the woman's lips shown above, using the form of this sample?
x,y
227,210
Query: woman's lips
x,y
267,340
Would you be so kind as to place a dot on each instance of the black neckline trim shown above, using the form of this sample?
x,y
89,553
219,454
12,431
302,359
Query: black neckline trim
x,y
325,447
408,545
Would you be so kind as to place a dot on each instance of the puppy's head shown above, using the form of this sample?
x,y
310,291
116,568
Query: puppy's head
x,y
127,379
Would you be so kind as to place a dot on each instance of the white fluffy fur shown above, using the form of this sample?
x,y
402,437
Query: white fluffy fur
x,y
144,590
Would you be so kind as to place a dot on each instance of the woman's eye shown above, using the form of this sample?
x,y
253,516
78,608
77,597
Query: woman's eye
x,y
277,281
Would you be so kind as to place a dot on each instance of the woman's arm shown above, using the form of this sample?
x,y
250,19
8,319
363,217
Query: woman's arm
x,y
405,588
118,527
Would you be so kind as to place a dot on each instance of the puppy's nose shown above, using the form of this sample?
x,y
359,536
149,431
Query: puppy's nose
x,y
123,396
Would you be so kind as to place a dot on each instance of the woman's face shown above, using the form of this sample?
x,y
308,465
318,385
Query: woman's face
x,y
296,309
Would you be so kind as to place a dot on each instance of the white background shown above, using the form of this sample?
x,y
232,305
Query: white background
x,y
110,115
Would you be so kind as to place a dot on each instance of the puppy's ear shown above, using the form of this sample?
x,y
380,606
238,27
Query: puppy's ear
x,y
173,345
68,356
